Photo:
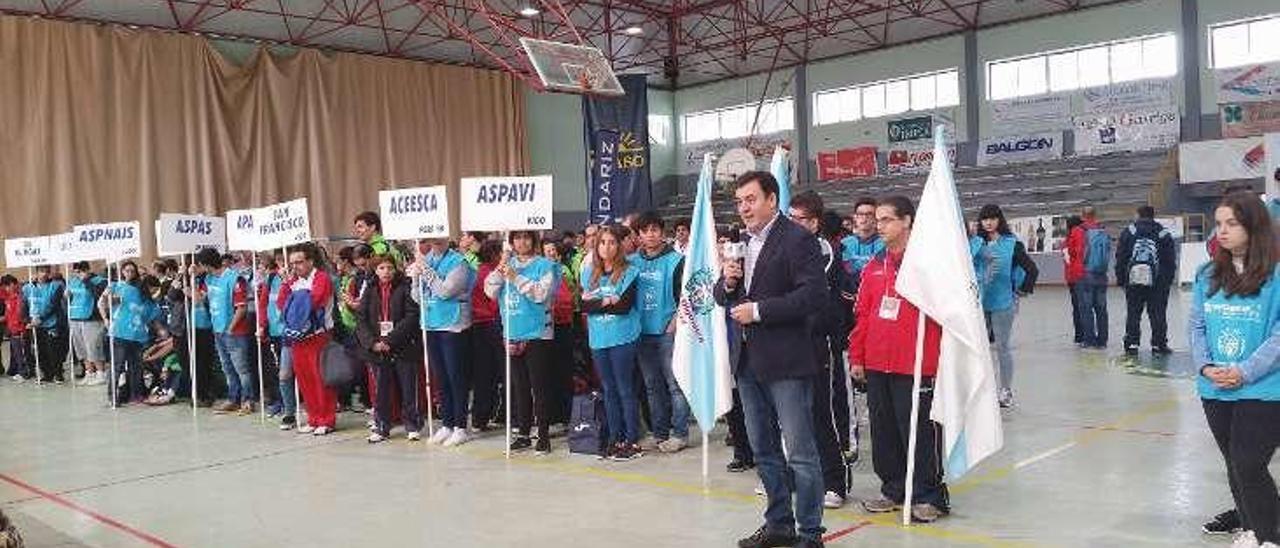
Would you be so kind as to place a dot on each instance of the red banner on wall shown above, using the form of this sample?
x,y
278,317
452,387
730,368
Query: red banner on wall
x,y
849,163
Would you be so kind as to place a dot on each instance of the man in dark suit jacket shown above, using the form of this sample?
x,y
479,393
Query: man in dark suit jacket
x,y
772,293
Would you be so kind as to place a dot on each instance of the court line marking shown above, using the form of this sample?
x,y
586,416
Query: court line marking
x,y
844,532
106,520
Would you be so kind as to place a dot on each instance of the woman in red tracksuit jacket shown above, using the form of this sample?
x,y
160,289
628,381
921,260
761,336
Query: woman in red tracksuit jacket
x,y
320,401
882,351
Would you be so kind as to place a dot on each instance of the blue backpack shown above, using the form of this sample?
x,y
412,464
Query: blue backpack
x,y
300,319
1097,250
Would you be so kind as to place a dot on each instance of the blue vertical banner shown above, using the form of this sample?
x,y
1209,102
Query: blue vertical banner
x,y
617,135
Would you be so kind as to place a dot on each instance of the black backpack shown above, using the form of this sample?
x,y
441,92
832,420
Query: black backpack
x,y
588,431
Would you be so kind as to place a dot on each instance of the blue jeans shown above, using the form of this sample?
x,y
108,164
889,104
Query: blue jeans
x,y
785,403
668,408
617,368
1091,295
444,349
287,395
1000,324
233,353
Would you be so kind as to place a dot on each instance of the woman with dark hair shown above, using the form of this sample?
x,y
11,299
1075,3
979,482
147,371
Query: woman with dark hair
x,y
389,340
306,300
486,341
524,285
1233,326
613,327
132,313
1005,273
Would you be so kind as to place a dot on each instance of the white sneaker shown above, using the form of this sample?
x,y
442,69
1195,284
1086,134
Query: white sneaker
x,y
441,434
760,492
17,378
306,429
322,431
413,436
376,437
458,437
1245,540
672,444
832,500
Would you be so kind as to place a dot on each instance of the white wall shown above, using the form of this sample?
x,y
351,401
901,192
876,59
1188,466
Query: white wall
x,y
1220,11
1091,26
886,64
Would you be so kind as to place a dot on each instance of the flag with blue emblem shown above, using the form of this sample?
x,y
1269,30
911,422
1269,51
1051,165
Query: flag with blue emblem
x,y
700,359
781,171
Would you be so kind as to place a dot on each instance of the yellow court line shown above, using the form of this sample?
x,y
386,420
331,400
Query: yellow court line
x,y
882,520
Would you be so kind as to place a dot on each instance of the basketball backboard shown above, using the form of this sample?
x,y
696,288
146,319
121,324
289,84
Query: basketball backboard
x,y
571,68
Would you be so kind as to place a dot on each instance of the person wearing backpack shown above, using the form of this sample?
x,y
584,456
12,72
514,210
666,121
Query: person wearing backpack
x,y
1146,260
306,300
1005,272
1089,248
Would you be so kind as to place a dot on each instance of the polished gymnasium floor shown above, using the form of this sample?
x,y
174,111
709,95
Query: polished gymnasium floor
x,y
1099,452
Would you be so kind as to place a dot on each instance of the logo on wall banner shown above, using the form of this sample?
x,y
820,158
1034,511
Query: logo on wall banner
x,y
1126,131
1248,84
851,163
1139,96
25,252
180,234
617,130
413,213
910,129
108,241
1249,119
492,204
1018,149
914,160
1221,160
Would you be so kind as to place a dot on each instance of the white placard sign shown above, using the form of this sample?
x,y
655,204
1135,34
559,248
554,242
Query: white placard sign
x,y
180,234
23,252
492,204
240,234
283,224
108,241
413,213
64,248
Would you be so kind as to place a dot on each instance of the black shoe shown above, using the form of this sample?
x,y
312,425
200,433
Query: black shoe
x,y
764,538
1226,523
543,447
520,443
1161,350
737,466
809,543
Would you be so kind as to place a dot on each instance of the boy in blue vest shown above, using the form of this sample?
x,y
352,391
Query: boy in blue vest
x,y
44,306
858,248
227,296
87,330
661,268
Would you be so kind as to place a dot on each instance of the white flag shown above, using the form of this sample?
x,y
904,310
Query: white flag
x,y
937,276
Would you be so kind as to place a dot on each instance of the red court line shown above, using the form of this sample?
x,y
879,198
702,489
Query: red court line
x,y
833,536
54,498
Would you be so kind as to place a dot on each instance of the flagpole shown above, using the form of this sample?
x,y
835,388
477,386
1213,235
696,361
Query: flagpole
x,y
426,358
114,385
190,295
915,413
35,329
66,307
506,348
706,457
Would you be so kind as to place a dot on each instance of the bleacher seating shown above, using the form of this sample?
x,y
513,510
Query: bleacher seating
x,y
1114,184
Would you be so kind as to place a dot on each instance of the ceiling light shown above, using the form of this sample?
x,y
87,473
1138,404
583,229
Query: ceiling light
x,y
529,11
634,30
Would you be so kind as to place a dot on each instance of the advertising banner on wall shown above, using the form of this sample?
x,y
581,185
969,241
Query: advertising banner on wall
x,y
914,158
849,163
1271,144
1248,119
1040,233
1098,134
1139,96
761,146
1248,84
1221,160
617,131
1020,148
910,129
1031,114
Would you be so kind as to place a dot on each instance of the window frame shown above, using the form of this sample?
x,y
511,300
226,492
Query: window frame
x,y
780,122
1248,23
1080,80
887,108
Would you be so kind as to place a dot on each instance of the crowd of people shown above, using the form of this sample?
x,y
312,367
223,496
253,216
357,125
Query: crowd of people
x,y
815,324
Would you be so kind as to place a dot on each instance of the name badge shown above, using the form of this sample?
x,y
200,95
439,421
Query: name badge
x,y
385,328
889,307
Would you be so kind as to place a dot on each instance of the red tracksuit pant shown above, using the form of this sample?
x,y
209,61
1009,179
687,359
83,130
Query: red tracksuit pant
x,y
321,401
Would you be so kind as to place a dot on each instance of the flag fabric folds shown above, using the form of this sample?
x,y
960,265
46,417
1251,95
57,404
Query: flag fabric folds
x,y
700,359
781,171
937,276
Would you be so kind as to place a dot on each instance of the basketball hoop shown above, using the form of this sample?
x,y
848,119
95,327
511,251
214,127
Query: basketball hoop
x,y
559,62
